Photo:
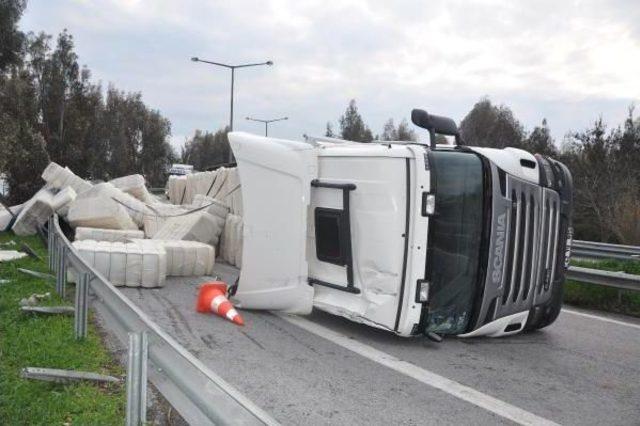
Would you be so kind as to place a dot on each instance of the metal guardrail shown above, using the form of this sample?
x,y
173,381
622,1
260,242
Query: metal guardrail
x,y
197,393
619,280
593,250
599,251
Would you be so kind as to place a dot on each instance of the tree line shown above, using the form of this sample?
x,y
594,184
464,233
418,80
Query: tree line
x,y
51,110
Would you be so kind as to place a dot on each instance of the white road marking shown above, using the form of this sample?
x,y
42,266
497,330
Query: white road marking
x,y
429,378
605,319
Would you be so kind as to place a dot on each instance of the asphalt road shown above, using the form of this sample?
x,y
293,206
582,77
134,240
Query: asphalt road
x,y
321,369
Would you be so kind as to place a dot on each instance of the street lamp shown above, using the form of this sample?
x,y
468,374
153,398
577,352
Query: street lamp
x,y
233,69
266,122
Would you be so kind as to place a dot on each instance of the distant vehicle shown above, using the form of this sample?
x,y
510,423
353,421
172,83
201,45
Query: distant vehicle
x,y
406,237
181,169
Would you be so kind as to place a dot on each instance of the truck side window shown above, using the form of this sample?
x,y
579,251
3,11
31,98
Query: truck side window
x,y
329,236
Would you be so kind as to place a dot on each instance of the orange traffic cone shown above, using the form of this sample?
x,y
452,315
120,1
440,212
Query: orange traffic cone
x,y
211,298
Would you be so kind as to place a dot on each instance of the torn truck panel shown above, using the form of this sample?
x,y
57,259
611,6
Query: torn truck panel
x,y
276,180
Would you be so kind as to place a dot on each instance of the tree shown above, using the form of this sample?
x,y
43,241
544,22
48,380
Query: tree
x,y
540,141
23,148
48,105
607,184
492,126
61,77
11,45
401,133
11,39
389,132
405,133
206,149
352,126
157,154
329,131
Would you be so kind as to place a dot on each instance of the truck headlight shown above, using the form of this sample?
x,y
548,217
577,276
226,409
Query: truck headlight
x,y
423,291
428,204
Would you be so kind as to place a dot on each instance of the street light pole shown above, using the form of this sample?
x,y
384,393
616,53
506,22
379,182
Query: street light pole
x,y
267,122
233,69
233,72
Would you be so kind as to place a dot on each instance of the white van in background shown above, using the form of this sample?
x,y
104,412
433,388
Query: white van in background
x,y
181,169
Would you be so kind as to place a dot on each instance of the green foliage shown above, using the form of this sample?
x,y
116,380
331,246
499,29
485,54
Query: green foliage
x,y
630,267
540,141
352,127
47,341
11,40
605,298
402,133
50,109
606,176
329,131
493,126
206,149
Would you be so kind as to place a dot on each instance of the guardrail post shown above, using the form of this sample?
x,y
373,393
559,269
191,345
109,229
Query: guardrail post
x,y
61,276
137,379
50,242
54,253
81,305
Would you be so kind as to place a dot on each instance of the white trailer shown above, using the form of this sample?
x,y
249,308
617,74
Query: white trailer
x,y
407,237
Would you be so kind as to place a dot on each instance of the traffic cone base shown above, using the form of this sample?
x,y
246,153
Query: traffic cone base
x,y
211,298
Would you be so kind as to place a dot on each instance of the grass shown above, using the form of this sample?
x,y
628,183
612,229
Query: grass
x,y
604,298
47,341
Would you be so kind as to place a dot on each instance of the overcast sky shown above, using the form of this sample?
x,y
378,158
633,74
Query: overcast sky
x,y
568,61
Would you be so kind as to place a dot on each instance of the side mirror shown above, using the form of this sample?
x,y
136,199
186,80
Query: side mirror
x,y
435,125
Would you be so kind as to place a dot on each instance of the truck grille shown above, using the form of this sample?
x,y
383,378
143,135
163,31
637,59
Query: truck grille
x,y
532,242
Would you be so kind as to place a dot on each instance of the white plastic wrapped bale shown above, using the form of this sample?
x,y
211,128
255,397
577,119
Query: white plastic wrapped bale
x,y
133,185
126,264
35,213
99,212
237,252
157,216
231,241
112,235
231,193
176,187
5,216
58,177
135,208
62,200
217,184
214,207
186,258
198,183
199,226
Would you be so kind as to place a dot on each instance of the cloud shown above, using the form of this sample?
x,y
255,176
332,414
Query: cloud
x,y
566,61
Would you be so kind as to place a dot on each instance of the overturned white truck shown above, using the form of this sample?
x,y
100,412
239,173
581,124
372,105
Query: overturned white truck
x,y
403,236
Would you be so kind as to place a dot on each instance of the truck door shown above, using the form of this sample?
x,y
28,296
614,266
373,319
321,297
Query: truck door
x,y
276,180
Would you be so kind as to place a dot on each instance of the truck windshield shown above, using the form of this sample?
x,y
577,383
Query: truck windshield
x,y
454,239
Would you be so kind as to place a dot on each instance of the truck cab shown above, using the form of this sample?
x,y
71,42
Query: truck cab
x,y
408,237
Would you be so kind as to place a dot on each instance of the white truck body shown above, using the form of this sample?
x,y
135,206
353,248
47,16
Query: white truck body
x,y
341,226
